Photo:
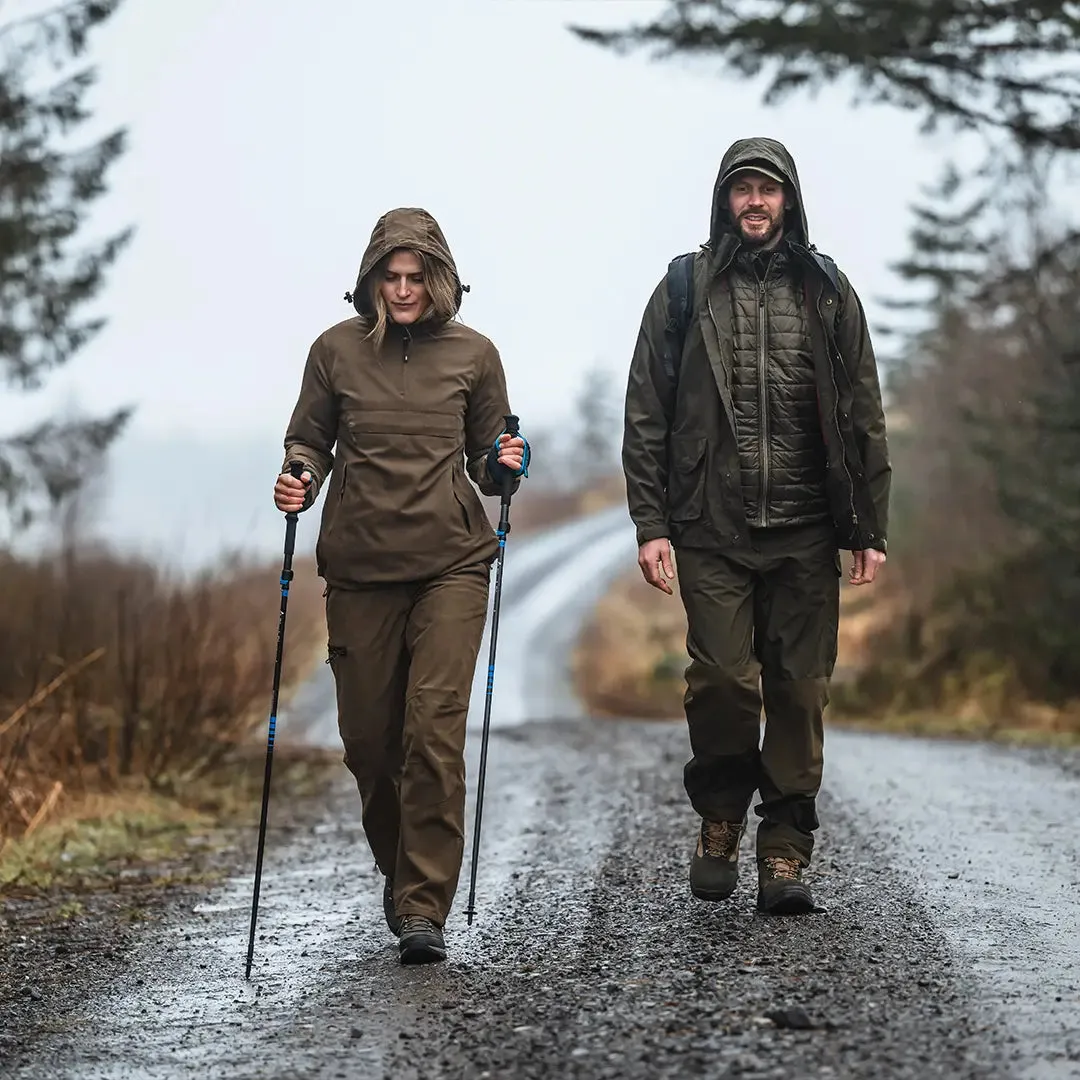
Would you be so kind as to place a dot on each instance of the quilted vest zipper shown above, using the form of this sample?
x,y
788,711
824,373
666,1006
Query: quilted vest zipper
x,y
763,403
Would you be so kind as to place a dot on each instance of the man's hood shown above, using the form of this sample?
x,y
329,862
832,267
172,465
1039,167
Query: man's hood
x,y
406,227
773,154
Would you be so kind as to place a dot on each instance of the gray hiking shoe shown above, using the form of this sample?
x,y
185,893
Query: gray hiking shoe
x,y
714,866
421,941
392,919
781,889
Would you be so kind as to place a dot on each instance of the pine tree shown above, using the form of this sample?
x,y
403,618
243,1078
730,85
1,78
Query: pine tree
x,y
47,187
994,66
986,482
1037,461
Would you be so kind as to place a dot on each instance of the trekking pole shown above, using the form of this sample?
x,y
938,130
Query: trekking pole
x,y
504,528
297,470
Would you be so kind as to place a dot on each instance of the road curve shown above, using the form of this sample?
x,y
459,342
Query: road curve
x,y
550,581
949,875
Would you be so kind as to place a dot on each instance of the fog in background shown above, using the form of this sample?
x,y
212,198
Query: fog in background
x,y
267,138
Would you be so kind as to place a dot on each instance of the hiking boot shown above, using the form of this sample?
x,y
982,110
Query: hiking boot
x,y
781,889
421,941
714,867
392,919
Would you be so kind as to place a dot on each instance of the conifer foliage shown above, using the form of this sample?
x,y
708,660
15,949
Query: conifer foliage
x,y
49,182
1005,66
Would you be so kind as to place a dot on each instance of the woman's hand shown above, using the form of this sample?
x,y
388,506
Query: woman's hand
x,y
289,493
511,451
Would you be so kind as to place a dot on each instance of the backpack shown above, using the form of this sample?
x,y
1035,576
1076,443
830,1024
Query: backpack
x,y
680,290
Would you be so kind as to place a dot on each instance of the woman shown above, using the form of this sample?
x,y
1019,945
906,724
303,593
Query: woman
x,y
406,549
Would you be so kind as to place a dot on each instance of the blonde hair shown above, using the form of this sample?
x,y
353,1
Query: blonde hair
x,y
439,280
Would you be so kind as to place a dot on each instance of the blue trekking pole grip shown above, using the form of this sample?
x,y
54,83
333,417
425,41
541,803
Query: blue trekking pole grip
x,y
296,469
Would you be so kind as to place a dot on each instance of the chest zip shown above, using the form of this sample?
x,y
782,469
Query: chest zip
x,y
764,434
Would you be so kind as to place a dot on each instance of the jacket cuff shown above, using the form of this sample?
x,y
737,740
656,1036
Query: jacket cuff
x,y
875,543
645,533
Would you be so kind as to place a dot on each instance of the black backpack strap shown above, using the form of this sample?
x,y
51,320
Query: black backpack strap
x,y
828,267
680,290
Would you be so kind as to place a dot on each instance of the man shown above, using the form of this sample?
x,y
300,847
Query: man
x,y
755,445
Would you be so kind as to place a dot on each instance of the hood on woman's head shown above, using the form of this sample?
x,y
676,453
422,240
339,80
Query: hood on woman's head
x,y
413,229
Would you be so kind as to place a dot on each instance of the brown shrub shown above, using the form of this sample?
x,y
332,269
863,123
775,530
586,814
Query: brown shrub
x,y
112,668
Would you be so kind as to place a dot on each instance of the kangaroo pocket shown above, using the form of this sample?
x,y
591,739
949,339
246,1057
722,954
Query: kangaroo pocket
x,y
424,515
686,480
405,507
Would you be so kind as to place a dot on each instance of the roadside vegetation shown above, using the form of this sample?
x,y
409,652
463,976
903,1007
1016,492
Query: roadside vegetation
x,y
131,699
134,700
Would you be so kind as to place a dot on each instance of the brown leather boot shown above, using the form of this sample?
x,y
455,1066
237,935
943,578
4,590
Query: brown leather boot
x,y
781,889
714,866
421,941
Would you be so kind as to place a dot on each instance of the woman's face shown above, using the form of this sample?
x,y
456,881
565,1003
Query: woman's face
x,y
403,288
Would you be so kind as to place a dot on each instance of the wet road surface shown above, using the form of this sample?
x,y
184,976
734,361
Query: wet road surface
x,y
949,875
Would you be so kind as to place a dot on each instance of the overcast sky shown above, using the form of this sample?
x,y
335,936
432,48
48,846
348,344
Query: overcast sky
x,y
267,137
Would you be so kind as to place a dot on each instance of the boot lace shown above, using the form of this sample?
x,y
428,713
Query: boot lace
x,y
785,869
416,924
720,839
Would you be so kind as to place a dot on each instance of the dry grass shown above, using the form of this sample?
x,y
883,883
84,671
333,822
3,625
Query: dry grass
x,y
113,671
632,654
865,613
137,833
1024,724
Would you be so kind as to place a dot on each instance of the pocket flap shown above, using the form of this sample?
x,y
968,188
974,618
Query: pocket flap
x,y
687,452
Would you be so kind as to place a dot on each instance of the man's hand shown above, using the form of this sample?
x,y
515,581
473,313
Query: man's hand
x,y
511,452
865,565
654,558
289,493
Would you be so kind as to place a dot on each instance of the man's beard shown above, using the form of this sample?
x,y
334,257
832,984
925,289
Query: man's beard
x,y
756,239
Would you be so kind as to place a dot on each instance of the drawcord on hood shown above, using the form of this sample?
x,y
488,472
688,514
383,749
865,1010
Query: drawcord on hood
x,y
408,227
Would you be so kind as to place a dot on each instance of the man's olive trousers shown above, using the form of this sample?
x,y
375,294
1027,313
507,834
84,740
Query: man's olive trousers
x,y
762,629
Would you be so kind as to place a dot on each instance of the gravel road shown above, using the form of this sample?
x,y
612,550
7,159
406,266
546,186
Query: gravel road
x,y
948,875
